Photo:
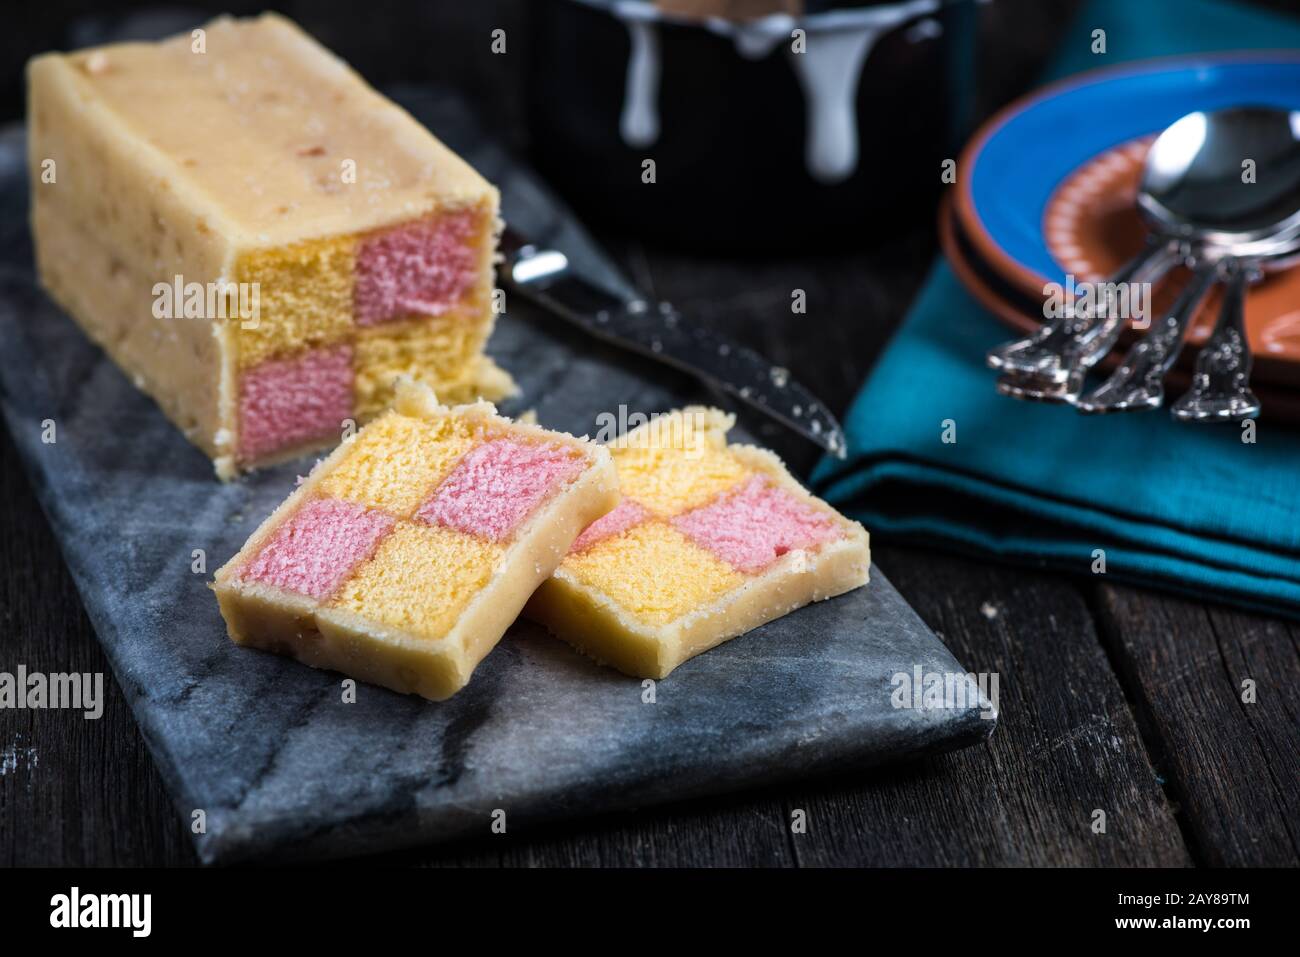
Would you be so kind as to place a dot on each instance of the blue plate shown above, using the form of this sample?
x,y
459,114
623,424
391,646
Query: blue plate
x,y
1010,170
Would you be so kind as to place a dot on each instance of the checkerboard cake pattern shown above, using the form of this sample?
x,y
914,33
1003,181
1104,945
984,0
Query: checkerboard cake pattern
x,y
405,555
342,318
710,540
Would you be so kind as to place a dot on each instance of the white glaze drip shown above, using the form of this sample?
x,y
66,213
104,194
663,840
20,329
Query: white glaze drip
x,y
756,40
639,121
927,29
829,71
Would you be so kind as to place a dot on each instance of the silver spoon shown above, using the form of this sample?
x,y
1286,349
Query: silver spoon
x,y
1193,195
1085,337
1221,386
1256,222
1138,383
1240,226
1201,187
1221,383
1043,356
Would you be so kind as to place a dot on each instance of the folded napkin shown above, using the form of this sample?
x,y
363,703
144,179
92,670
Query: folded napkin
x,y
1194,509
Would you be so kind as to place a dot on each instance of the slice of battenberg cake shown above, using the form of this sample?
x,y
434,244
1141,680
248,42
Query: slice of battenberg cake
x,y
709,541
257,237
404,556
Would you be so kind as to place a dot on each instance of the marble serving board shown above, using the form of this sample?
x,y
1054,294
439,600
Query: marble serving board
x,y
268,750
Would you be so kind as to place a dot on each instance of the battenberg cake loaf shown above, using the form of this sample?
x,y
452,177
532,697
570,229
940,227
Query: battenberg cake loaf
x,y
333,242
404,556
709,541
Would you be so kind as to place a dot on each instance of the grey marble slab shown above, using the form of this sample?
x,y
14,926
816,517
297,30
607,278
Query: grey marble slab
x,y
281,767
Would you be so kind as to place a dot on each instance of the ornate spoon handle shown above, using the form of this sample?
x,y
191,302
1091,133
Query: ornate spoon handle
x,y
1138,383
1220,389
1080,335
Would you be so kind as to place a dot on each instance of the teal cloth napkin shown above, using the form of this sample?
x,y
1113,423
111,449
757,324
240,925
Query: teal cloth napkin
x,y
1194,509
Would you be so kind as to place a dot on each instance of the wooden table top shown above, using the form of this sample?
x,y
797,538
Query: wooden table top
x,y
1112,697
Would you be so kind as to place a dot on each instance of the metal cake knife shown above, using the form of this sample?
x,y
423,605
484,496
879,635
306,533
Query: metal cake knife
x,y
657,330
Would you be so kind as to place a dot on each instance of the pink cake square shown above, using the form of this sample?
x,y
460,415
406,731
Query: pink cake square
x,y
288,402
318,547
423,268
497,485
754,525
627,514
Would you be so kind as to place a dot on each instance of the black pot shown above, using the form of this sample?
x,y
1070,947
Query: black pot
x,y
739,160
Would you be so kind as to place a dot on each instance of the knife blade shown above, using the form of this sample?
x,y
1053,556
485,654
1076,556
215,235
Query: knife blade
x,y
660,332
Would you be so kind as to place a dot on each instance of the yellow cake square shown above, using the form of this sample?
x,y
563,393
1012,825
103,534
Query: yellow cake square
x,y
420,579
395,461
653,571
439,350
670,480
304,298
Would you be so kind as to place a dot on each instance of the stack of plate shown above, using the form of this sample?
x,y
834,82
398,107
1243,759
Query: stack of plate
x,y
1045,192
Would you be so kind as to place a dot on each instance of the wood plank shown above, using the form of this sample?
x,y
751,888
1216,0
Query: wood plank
x,y
73,791
1231,766
1066,743
732,831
